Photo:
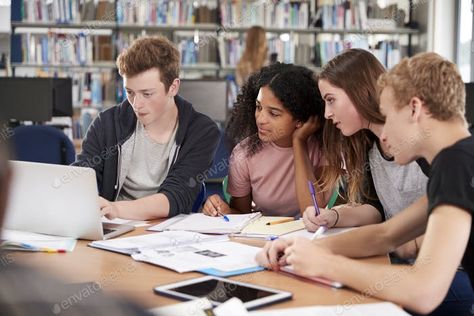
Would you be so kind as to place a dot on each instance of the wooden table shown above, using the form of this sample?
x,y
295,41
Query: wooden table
x,y
121,275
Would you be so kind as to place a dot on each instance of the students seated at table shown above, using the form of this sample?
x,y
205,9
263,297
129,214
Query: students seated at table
x,y
149,151
24,291
348,84
277,122
423,95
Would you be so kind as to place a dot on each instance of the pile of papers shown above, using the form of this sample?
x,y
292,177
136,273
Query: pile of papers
x,y
26,241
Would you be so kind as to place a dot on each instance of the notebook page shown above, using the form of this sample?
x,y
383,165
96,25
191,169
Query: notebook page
x,y
375,309
260,226
215,225
155,241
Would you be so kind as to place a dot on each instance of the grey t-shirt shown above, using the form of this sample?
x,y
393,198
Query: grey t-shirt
x,y
148,166
397,186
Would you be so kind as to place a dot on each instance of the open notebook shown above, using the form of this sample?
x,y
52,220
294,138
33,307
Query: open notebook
x,y
184,251
134,244
260,227
201,223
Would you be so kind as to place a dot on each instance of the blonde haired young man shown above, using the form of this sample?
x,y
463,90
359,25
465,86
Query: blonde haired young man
x,y
423,99
149,151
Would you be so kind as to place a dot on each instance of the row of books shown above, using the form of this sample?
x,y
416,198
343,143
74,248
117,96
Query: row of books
x,y
343,14
63,48
194,53
334,14
60,49
297,49
388,52
162,12
284,13
66,11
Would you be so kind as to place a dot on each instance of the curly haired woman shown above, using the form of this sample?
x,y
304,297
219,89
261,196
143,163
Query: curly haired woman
x,y
277,125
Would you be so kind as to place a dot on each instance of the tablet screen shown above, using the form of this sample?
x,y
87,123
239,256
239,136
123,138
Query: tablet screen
x,y
221,291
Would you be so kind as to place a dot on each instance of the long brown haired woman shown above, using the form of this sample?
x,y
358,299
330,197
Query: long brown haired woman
x,y
348,85
254,56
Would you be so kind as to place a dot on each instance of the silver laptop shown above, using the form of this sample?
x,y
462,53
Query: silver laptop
x,y
57,200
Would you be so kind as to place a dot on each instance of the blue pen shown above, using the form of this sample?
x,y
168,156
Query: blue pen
x,y
223,216
313,196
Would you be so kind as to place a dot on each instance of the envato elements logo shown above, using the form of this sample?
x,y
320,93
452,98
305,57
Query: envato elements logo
x,y
77,297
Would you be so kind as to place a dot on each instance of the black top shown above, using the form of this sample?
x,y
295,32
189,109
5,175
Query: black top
x,y
369,195
452,182
196,138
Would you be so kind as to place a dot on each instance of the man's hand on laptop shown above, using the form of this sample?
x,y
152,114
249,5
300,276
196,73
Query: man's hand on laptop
x,y
107,208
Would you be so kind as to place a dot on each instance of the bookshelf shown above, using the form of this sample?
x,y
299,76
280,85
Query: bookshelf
x,y
82,38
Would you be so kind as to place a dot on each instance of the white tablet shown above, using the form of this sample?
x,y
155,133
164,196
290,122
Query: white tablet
x,y
218,290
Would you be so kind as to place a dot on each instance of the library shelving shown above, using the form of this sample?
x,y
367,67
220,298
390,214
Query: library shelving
x,y
82,38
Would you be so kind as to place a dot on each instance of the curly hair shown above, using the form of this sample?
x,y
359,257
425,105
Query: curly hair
x,y
433,79
296,88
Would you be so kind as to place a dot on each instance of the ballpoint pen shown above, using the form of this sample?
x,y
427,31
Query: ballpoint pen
x,y
223,216
323,228
313,196
218,210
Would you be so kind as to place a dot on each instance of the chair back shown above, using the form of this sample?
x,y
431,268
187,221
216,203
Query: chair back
x,y
42,143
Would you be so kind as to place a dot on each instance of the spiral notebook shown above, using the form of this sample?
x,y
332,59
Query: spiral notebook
x,y
201,223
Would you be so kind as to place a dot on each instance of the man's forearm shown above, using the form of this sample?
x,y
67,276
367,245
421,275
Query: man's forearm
x,y
351,216
395,283
147,208
358,243
384,237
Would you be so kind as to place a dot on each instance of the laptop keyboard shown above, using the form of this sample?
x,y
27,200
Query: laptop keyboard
x,y
107,230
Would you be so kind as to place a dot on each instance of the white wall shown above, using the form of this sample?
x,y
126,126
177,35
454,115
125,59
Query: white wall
x,y
4,28
4,18
441,32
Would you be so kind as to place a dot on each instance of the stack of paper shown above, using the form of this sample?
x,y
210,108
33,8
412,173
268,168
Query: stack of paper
x,y
202,307
26,241
197,307
121,221
375,309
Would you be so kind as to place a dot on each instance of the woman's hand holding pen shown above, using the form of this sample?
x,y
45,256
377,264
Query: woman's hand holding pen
x,y
312,222
215,206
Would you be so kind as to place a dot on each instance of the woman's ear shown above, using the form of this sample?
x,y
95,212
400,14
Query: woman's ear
x,y
298,124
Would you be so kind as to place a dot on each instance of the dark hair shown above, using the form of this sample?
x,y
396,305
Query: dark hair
x,y
295,87
150,52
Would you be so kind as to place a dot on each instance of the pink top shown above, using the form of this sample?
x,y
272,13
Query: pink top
x,y
269,175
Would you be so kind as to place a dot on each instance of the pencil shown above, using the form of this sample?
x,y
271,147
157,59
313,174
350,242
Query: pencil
x,y
280,221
